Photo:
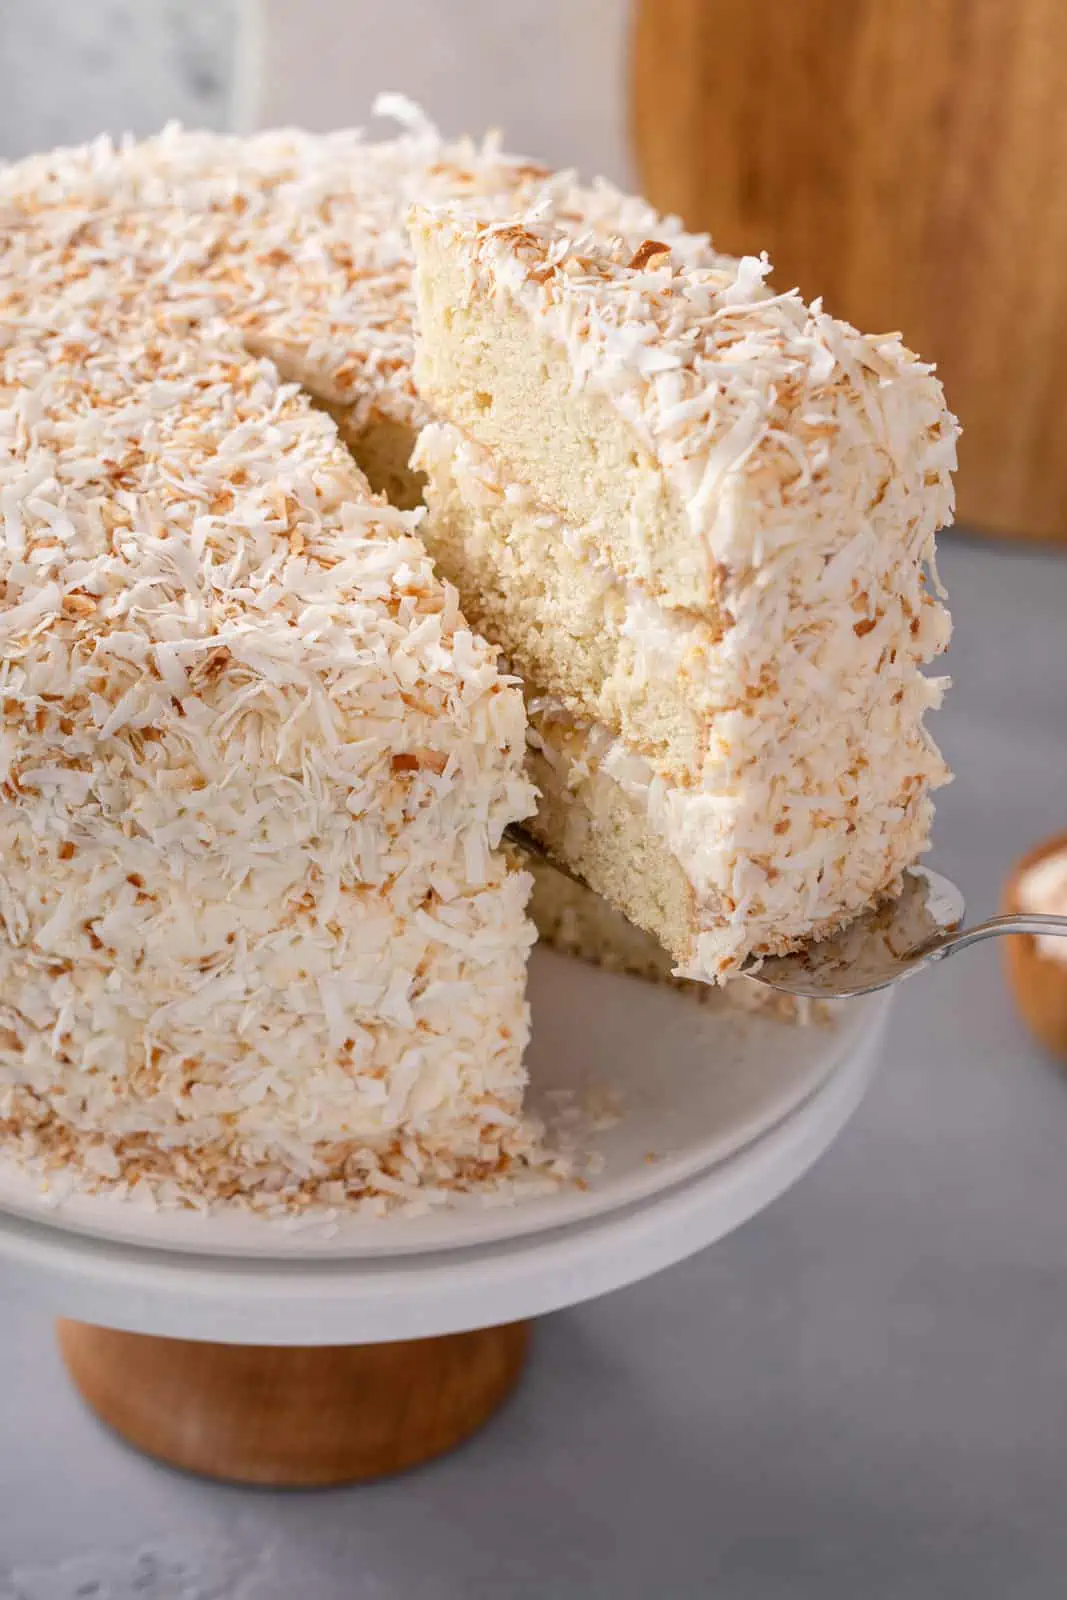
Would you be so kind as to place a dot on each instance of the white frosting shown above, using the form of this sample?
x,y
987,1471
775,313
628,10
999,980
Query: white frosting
x,y
661,638
1043,890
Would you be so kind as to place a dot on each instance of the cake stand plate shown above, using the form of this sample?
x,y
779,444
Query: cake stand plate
x,y
408,1330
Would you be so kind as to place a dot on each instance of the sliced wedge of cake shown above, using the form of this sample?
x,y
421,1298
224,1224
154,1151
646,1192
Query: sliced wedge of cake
x,y
698,517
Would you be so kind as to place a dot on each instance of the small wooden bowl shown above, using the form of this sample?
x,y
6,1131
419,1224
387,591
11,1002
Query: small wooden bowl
x,y
1038,983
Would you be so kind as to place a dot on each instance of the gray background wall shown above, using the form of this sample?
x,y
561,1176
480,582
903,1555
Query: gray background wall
x,y
551,73
74,68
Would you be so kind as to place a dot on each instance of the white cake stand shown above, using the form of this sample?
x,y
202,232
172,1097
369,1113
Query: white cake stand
x,y
347,1348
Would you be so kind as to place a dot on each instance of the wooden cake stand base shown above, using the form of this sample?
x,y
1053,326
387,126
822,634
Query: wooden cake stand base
x,y
293,1417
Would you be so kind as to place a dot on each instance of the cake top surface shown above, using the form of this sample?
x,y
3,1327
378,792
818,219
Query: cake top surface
x,y
299,240
759,408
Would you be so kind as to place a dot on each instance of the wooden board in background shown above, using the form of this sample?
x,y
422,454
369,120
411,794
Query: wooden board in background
x,y
906,159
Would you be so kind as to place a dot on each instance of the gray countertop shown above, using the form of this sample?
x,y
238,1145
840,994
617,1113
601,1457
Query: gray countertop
x,y
863,1393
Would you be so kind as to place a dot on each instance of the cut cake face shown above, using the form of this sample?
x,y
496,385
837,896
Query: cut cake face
x,y
698,517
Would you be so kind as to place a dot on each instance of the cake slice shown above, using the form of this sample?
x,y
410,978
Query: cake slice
x,y
697,517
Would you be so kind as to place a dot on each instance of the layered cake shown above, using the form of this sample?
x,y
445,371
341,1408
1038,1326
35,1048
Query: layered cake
x,y
697,516
259,939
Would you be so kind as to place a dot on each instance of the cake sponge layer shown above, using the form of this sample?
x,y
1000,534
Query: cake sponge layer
x,y
510,387
656,852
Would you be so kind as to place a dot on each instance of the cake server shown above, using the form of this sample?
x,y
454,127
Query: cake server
x,y
923,925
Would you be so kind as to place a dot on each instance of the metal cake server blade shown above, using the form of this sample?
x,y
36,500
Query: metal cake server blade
x,y
921,926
